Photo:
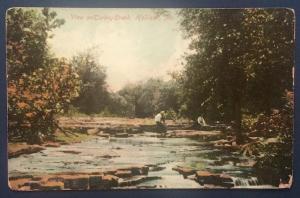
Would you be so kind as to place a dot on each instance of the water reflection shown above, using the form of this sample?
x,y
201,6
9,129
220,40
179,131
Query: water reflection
x,y
101,154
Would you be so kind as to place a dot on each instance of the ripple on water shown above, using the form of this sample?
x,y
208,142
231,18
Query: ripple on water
x,y
102,154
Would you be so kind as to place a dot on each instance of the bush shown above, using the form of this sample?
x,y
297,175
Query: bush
x,y
34,100
248,122
275,157
171,115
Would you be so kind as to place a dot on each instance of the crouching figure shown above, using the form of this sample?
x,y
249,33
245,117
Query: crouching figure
x,y
160,122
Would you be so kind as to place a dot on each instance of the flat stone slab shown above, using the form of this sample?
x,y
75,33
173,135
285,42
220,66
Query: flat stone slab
x,y
76,182
18,149
192,133
123,173
70,152
208,178
137,180
184,171
81,181
52,144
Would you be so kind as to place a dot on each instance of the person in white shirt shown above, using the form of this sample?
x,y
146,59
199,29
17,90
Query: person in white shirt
x,y
157,118
201,121
160,121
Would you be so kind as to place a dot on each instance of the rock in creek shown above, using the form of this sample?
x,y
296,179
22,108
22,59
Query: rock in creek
x,y
249,163
137,180
52,186
20,177
33,185
70,182
36,178
56,179
139,170
24,188
108,156
20,149
123,173
222,180
132,171
42,185
184,171
93,131
207,135
52,144
156,168
103,182
71,152
76,182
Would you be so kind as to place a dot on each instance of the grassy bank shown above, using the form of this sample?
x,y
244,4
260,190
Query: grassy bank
x,y
69,138
15,149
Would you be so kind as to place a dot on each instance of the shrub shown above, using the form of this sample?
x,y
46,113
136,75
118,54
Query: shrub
x,y
34,100
275,156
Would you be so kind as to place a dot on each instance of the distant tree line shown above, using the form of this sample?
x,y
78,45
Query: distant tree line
x,y
42,86
141,99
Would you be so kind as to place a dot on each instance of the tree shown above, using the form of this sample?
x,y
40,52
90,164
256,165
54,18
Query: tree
x,y
93,95
39,85
132,93
27,34
273,152
147,98
238,64
34,100
169,97
118,105
270,34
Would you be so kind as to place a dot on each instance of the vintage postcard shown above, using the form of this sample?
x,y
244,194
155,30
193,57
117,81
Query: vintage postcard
x,y
119,98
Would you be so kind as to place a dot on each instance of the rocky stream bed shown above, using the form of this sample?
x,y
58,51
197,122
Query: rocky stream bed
x,y
134,158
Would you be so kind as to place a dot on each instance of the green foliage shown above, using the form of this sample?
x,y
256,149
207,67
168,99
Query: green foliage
x,y
248,122
148,98
74,112
27,34
93,96
171,115
119,105
143,99
72,138
39,86
241,62
131,93
34,100
275,157
268,66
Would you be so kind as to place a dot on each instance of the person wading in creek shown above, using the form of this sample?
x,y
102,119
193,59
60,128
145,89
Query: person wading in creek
x,y
160,122
201,122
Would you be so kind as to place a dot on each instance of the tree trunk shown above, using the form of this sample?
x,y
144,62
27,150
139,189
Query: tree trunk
x,y
238,120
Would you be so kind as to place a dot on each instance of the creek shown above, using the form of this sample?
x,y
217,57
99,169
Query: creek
x,y
103,154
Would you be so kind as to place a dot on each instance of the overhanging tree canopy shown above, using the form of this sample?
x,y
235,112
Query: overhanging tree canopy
x,y
241,61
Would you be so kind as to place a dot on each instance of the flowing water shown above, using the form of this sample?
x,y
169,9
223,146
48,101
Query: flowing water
x,y
101,154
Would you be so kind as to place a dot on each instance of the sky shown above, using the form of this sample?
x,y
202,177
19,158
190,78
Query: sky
x,y
132,44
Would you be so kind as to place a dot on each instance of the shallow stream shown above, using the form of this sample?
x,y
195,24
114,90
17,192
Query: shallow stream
x,y
100,154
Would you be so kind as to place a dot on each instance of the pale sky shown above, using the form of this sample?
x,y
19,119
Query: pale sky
x,y
133,45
